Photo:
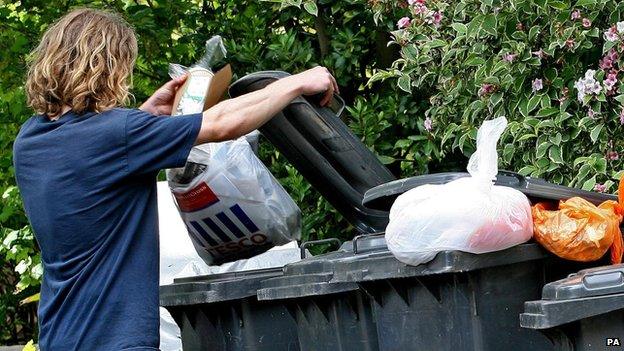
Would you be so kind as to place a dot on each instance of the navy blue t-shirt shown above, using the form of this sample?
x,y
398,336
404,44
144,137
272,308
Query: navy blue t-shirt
x,y
89,188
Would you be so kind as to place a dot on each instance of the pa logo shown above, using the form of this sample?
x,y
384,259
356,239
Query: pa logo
x,y
614,342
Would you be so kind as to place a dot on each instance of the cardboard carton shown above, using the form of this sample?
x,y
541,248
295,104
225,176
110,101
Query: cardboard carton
x,y
202,90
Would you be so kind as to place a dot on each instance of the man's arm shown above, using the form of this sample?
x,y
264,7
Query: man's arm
x,y
236,117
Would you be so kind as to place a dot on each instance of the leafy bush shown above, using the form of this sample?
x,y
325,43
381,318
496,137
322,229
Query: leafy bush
x,y
473,60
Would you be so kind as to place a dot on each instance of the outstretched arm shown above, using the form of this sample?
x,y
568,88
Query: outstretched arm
x,y
236,117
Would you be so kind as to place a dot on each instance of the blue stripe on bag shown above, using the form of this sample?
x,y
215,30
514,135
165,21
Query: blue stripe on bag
x,y
230,225
204,234
242,216
215,228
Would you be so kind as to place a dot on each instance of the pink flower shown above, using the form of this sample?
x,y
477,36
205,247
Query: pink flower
x,y
428,124
611,80
537,84
605,63
576,14
622,116
519,26
420,8
569,43
403,22
437,17
539,53
586,22
612,155
486,89
591,113
611,34
601,188
413,2
509,57
612,54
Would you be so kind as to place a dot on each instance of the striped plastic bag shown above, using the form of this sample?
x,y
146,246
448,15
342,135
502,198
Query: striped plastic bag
x,y
231,204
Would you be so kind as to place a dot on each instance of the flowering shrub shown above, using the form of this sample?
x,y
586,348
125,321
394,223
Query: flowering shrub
x,y
552,67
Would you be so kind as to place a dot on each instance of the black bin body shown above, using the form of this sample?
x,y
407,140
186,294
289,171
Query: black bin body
x,y
457,301
582,312
330,316
221,313
365,299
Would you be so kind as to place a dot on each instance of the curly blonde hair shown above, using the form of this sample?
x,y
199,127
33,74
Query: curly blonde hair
x,y
84,61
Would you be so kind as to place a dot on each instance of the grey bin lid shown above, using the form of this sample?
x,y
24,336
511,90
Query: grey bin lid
x,y
342,270
325,151
382,196
215,288
588,293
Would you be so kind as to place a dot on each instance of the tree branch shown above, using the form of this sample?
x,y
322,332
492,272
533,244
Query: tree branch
x,y
321,32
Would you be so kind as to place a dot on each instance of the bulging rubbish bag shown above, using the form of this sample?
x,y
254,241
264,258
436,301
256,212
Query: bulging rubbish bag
x,y
579,230
231,204
468,214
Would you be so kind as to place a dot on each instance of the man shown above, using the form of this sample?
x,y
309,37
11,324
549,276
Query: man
x,y
87,168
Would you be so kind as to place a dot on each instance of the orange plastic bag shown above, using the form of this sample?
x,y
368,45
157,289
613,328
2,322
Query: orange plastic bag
x,y
579,230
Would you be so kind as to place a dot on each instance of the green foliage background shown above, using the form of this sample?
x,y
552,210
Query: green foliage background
x,y
429,74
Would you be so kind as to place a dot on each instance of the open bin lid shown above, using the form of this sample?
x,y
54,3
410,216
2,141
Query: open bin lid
x,y
382,197
215,288
323,149
588,293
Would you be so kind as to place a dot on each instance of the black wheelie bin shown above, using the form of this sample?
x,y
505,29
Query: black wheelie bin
x,y
457,301
582,312
360,297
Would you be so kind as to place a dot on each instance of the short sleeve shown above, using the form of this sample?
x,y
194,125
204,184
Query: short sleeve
x,y
159,142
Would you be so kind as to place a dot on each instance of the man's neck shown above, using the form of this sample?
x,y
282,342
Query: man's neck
x,y
64,110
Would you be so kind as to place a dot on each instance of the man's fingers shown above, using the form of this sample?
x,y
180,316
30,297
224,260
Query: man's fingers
x,y
335,84
175,83
181,79
328,96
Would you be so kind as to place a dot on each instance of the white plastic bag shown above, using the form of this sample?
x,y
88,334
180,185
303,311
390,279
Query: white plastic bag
x,y
233,207
178,258
230,202
469,214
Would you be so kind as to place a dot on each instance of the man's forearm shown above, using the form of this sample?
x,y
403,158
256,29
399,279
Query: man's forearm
x,y
236,117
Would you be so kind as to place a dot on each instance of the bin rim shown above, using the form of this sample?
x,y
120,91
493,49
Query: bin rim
x,y
215,288
381,197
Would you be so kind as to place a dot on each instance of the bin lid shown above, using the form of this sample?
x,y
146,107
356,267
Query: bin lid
x,y
325,151
587,283
382,197
585,294
367,258
215,288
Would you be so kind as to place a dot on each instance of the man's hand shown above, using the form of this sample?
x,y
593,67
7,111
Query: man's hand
x,y
161,102
314,81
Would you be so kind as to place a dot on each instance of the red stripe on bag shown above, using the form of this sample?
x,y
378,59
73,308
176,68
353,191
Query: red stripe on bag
x,y
195,199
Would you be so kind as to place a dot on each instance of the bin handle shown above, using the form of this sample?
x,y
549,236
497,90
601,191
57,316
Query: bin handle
x,y
307,244
357,238
336,104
